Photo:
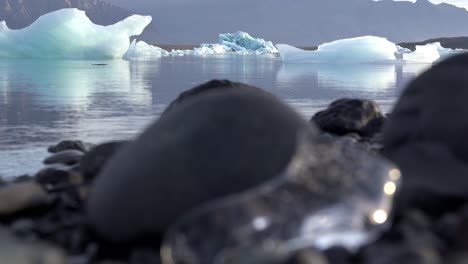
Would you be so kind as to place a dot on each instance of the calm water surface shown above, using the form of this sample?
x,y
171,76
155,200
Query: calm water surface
x,y
44,102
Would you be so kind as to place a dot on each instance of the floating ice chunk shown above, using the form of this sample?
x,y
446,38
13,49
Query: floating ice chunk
x,y
143,51
236,43
210,49
428,53
353,50
69,34
242,41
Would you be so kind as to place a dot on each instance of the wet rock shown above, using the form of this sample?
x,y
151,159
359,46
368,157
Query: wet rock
x,y
461,239
401,253
17,197
328,186
70,145
212,85
425,137
23,227
145,256
307,256
345,116
411,240
219,143
66,157
338,255
53,174
16,251
58,177
94,160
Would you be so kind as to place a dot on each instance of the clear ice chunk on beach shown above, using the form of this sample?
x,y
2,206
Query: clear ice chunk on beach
x,y
332,194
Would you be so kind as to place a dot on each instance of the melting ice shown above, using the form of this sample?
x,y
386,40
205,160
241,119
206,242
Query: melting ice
x,y
69,34
229,43
367,49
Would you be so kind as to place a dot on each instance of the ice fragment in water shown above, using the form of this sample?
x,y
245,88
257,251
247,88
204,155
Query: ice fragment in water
x,y
69,34
360,49
332,193
367,49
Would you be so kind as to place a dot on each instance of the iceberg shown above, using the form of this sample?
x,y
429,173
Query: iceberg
x,y
143,51
229,43
428,53
243,42
354,50
367,49
69,34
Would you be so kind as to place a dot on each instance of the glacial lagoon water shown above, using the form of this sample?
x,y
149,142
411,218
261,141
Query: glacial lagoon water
x,y
44,102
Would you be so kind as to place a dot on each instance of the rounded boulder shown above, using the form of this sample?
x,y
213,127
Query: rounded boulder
x,y
211,145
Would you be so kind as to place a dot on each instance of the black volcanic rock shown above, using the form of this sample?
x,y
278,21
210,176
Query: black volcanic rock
x,y
426,135
21,13
344,116
215,144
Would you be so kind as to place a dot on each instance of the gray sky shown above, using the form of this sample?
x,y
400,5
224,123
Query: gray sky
x,y
460,3
298,22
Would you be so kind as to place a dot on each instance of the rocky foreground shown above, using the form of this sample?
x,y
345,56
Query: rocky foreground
x,y
114,202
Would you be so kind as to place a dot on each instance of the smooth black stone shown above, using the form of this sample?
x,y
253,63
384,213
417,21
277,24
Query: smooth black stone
x,y
219,143
67,157
345,116
212,85
426,135
306,256
53,174
69,145
338,255
93,161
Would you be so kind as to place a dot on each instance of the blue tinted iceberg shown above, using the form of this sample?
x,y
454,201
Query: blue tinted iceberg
x,y
243,42
354,50
69,34
232,43
237,43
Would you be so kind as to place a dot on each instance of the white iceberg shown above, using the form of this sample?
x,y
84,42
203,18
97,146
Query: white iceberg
x,y
354,50
69,34
367,49
428,53
237,43
143,51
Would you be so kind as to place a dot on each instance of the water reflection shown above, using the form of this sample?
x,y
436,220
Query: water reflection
x,y
43,102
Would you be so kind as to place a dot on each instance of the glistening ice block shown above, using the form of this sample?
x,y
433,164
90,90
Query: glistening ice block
x,y
69,34
331,194
354,50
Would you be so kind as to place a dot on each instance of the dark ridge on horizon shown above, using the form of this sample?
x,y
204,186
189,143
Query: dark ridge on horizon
x,y
452,43
302,22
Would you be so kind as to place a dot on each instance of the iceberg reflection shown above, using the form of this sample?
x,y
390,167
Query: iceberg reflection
x,y
363,77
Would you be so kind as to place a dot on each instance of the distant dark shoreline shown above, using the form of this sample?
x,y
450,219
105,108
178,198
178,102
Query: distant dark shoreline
x,y
452,43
